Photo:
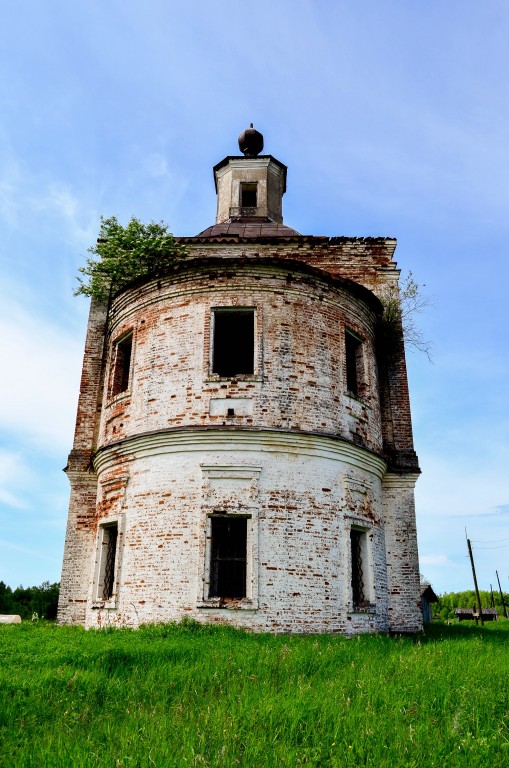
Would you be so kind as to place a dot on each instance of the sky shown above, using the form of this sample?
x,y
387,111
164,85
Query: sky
x,y
393,119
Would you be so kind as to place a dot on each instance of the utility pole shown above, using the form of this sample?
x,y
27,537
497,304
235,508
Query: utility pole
x,y
502,596
475,583
492,597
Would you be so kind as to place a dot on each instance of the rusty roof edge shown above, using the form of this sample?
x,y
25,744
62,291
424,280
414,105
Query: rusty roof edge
x,y
226,160
212,239
391,242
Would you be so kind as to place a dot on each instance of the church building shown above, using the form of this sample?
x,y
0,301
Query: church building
x,y
243,450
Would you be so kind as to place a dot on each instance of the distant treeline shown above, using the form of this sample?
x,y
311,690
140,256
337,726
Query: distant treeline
x,y
444,609
27,601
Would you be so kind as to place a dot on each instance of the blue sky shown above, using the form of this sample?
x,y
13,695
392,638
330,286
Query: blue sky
x,y
393,120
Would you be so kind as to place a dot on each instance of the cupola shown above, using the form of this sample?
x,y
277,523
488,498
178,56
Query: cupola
x,y
252,186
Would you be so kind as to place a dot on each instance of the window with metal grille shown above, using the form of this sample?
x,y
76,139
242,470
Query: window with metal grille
x,y
354,363
233,342
358,550
109,555
228,556
122,364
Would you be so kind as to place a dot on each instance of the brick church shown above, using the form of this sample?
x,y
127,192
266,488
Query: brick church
x,y
243,449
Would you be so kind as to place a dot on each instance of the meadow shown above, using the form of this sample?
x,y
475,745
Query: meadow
x,y
189,695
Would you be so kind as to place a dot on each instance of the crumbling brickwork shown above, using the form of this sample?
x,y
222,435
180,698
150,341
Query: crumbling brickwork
x,y
276,499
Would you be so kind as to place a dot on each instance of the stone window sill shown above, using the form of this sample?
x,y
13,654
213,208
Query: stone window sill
x,y
102,604
233,605
213,378
362,611
120,398
358,399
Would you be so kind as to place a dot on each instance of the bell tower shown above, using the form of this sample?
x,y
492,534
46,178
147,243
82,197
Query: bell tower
x,y
250,187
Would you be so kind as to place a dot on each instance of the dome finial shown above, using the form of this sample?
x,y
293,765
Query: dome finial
x,y
250,142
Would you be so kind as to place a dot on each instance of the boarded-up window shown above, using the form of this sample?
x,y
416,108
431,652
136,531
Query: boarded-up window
x,y
228,556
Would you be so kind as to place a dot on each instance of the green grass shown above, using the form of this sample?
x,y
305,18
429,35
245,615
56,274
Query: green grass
x,y
200,696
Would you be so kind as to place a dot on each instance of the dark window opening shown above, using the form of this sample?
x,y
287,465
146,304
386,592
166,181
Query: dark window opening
x,y
233,342
357,541
248,195
110,536
228,557
353,355
122,367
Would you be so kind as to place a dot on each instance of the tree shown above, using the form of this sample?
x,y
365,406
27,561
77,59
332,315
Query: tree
x,y
401,306
127,254
5,598
26,601
466,599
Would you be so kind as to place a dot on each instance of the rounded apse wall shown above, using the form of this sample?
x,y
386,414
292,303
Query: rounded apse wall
x,y
288,348
297,500
241,396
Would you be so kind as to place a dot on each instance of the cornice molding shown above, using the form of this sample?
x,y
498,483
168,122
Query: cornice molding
x,y
238,440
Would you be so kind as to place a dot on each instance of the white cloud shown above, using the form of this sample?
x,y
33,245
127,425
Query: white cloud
x,y
27,551
15,478
462,492
437,559
57,200
40,201
39,387
9,199
156,165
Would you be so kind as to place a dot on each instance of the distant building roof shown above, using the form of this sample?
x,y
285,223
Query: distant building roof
x,y
428,594
474,612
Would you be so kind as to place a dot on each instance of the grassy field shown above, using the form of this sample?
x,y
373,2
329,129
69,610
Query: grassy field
x,y
198,696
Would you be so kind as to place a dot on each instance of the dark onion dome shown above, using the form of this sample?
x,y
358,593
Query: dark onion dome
x,y
251,142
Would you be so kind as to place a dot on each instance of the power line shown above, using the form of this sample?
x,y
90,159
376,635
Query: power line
x,y
474,541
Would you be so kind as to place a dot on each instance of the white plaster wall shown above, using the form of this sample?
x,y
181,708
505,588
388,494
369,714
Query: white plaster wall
x,y
302,493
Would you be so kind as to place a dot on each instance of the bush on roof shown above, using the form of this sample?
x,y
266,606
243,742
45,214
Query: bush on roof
x,y
127,254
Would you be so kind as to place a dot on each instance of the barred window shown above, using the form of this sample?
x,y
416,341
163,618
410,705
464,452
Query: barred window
x,y
228,556
357,567
108,560
361,581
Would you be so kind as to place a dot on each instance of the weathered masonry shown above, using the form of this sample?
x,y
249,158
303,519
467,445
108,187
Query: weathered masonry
x,y
243,449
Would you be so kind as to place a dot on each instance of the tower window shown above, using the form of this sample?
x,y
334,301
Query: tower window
x,y
248,195
122,364
354,363
228,556
108,555
233,343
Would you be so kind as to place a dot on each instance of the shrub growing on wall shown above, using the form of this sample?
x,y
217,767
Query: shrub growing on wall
x,y
127,254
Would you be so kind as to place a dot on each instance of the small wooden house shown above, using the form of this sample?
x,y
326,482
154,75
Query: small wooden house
x,y
472,614
427,598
